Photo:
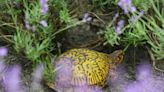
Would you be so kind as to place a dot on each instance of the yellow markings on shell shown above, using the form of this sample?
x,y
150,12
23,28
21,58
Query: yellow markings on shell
x,y
88,67
79,77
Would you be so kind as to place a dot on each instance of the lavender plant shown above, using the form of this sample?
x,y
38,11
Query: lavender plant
x,y
127,6
156,29
111,36
141,28
137,31
33,34
63,11
112,32
35,38
136,35
142,4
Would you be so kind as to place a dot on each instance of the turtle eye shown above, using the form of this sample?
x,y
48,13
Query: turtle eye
x,y
117,56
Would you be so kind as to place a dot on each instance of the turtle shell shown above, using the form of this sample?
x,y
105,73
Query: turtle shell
x,y
81,67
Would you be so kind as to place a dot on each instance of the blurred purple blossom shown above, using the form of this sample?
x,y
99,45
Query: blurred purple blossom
x,y
64,72
27,25
37,77
127,6
12,80
88,89
144,71
116,16
2,67
44,6
87,17
146,81
119,27
44,23
3,51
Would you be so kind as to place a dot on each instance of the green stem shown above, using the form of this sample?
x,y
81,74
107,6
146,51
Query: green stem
x,y
6,37
67,27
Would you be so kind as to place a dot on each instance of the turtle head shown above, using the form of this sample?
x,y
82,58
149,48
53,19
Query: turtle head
x,y
117,56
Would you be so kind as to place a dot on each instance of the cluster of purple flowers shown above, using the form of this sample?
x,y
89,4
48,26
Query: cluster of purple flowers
x,y
146,81
10,77
127,6
119,27
44,6
28,26
87,17
44,10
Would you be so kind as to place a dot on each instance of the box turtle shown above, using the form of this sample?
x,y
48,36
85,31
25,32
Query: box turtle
x,y
83,67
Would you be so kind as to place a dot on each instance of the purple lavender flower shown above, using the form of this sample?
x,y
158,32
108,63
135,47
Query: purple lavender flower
x,y
132,87
44,6
11,80
44,23
144,71
127,6
3,51
146,81
119,27
86,18
27,24
116,16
